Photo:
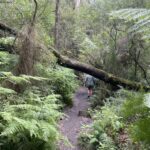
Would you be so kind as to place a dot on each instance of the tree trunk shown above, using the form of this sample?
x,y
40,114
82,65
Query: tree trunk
x,y
98,73
27,51
77,4
57,24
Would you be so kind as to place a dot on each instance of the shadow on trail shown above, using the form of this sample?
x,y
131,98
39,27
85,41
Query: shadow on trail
x,y
71,125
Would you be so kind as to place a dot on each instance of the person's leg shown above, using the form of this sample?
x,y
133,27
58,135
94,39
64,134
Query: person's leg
x,y
90,91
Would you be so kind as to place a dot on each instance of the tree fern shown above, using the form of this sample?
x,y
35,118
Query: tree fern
x,y
139,17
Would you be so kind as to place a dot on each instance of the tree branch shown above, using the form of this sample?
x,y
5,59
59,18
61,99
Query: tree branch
x,y
35,12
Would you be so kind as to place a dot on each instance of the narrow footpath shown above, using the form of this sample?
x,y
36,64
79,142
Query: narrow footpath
x,y
71,125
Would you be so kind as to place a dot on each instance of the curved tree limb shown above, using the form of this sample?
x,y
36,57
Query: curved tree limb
x,y
98,73
35,12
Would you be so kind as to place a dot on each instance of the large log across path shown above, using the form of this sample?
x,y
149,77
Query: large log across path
x,y
98,73
79,66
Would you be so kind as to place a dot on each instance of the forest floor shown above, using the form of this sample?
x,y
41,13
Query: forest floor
x,y
70,125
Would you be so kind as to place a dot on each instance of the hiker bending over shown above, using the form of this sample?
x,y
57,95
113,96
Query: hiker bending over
x,y
89,83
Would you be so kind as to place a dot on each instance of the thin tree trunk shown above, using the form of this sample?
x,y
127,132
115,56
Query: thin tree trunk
x,y
57,24
77,3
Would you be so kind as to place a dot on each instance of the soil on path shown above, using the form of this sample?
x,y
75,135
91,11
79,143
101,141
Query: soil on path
x,y
71,125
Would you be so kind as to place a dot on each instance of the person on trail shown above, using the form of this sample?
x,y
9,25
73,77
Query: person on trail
x,y
89,83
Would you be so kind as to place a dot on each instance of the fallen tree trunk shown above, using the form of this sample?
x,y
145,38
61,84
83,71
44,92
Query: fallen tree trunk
x,y
7,29
98,73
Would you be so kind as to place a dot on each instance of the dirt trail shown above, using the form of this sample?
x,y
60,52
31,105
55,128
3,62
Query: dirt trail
x,y
70,126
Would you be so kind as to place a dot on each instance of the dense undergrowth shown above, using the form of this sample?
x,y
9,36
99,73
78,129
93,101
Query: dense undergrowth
x,y
30,122
29,119
122,123
62,81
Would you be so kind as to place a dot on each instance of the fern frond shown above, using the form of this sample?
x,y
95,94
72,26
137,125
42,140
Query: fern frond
x,y
5,91
22,79
34,78
139,17
7,40
35,120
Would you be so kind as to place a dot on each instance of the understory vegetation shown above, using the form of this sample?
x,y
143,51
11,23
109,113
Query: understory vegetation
x,y
122,123
41,39
29,118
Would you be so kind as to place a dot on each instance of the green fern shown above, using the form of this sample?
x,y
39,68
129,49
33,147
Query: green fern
x,y
63,81
34,119
5,91
7,61
7,40
22,79
139,17
136,110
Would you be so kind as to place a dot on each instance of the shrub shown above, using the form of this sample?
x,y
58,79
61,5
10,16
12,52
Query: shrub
x,y
136,111
28,120
62,81
107,124
65,83
7,61
30,124
122,123
101,92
